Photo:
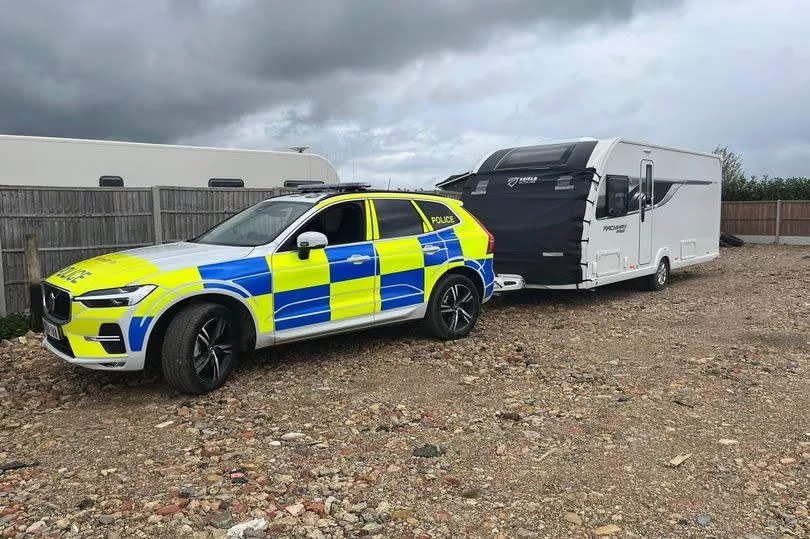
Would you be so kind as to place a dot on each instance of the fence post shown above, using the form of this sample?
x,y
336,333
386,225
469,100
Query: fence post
x,y
156,217
2,283
778,221
34,280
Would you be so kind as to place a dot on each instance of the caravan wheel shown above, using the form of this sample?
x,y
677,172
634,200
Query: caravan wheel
x,y
660,279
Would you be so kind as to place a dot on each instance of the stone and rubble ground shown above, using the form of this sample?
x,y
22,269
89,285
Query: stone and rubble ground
x,y
616,412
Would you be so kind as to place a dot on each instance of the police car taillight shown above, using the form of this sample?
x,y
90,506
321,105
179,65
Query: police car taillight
x,y
491,242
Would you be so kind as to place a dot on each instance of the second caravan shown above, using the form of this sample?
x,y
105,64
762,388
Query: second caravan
x,y
63,162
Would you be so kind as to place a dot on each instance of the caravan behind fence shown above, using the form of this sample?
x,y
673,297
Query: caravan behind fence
x,y
62,162
586,212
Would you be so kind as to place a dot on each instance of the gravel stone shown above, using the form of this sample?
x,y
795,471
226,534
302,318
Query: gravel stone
x,y
559,411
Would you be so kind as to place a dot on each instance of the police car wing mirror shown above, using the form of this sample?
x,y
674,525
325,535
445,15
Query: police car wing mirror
x,y
307,241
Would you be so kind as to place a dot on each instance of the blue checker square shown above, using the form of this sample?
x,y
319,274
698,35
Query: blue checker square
x,y
340,270
252,274
437,258
451,242
402,288
302,307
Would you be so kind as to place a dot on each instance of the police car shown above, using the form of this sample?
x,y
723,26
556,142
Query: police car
x,y
318,262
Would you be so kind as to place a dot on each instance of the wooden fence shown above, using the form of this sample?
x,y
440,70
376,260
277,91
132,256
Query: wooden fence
x,y
779,221
74,223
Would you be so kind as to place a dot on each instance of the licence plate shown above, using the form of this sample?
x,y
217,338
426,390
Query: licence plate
x,y
52,330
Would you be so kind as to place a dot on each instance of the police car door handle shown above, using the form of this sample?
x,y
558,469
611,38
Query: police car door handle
x,y
358,259
430,249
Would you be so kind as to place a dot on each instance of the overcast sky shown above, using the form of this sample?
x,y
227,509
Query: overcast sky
x,y
413,90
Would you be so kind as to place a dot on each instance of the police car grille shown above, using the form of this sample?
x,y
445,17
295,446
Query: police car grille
x,y
57,302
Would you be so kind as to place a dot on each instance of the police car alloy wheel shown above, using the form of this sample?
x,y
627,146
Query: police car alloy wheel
x,y
201,347
453,308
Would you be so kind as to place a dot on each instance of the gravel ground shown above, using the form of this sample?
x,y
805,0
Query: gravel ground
x,y
617,412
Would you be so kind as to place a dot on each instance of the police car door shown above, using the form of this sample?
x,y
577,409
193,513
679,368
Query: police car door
x,y
334,287
402,257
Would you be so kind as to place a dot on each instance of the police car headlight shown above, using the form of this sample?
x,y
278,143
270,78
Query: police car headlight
x,y
115,297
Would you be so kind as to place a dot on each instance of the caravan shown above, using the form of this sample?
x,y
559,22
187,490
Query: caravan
x,y
584,213
63,162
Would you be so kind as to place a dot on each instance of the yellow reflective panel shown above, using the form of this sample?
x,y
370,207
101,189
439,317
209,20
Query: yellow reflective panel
x,y
432,275
104,271
172,286
352,298
263,309
291,273
369,221
84,348
399,254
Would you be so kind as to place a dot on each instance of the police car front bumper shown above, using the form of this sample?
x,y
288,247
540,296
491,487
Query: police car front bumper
x,y
98,350
111,363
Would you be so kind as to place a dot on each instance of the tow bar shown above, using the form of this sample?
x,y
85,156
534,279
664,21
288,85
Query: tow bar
x,y
507,283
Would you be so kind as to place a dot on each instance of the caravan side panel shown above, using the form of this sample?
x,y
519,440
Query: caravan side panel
x,y
72,162
683,223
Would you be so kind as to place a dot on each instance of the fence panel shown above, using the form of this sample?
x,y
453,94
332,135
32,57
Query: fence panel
x,y
188,212
70,224
749,218
795,218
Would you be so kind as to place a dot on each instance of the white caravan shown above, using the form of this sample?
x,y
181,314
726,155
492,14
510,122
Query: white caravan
x,y
584,213
64,162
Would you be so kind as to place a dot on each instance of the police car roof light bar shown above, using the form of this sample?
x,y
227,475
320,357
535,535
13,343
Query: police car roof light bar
x,y
340,187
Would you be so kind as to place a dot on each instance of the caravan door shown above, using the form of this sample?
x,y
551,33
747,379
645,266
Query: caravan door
x,y
645,213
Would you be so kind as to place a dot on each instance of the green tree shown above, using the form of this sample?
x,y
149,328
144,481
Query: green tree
x,y
735,184
737,187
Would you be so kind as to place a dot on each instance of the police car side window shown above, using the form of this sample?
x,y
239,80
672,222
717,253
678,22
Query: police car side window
x,y
342,223
439,215
396,217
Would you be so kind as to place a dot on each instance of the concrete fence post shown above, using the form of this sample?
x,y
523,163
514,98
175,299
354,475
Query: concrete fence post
x,y
34,281
156,217
2,283
778,221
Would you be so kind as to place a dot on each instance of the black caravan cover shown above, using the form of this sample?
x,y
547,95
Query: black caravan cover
x,y
537,217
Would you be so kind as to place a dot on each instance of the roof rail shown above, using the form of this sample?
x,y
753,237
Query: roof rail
x,y
339,187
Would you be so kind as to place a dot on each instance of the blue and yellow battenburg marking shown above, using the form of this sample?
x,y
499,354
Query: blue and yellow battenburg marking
x,y
285,292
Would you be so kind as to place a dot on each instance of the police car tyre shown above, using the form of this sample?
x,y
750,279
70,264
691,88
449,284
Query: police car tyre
x,y
453,308
200,348
658,280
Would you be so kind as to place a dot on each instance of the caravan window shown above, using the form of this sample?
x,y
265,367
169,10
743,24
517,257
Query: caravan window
x,y
613,197
301,183
111,181
536,156
647,185
226,182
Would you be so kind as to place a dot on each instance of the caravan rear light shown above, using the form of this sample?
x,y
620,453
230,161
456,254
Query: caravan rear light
x,y
491,242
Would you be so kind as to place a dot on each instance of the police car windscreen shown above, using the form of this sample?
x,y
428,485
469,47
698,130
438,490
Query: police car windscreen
x,y
257,225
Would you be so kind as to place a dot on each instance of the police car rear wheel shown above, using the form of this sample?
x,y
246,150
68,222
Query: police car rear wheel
x,y
200,348
453,308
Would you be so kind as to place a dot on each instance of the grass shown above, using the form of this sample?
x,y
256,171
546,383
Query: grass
x,y
13,325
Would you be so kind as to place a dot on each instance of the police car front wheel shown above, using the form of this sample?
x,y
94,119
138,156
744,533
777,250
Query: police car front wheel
x,y
453,308
200,348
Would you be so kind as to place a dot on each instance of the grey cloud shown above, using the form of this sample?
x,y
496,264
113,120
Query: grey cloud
x,y
164,70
